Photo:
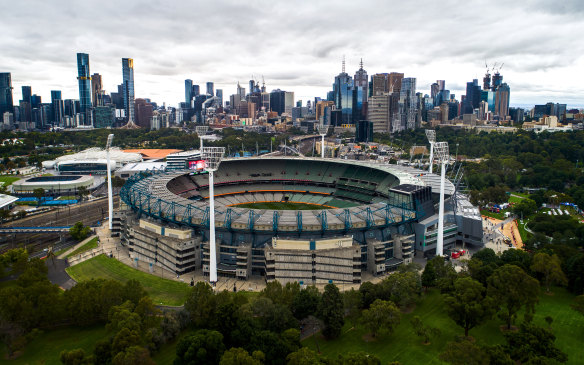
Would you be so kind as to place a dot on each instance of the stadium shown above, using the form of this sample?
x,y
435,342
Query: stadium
x,y
292,219
53,185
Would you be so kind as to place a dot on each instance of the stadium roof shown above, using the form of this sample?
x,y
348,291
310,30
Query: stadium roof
x,y
152,153
92,154
6,200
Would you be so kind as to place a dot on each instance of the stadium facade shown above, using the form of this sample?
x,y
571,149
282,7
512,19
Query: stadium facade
x,y
369,218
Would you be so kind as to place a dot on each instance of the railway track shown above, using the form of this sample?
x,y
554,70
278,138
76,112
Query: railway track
x,y
90,213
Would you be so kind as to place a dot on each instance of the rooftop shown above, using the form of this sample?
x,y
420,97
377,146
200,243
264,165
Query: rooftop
x,y
152,153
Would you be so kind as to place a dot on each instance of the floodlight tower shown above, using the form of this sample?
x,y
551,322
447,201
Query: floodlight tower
x,y
322,130
201,131
442,157
431,134
110,199
212,157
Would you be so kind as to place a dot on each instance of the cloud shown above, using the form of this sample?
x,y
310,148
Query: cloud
x,y
296,45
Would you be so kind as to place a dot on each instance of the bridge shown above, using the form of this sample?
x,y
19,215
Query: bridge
x,y
46,229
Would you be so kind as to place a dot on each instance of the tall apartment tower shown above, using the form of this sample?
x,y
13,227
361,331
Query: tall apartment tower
x,y
6,102
210,89
96,90
57,107
84,78
128,85
188,92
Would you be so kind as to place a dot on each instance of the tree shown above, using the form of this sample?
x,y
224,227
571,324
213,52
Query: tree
x,y
304,356
533,345
402,288
512,289
82,192
550,268
39,193
464,353
200,304
423,331
74,357
238,356
79,232
525,207
439,272
117,182
578,304
133,355
382,317
330,310
202,347
467,306
517,257
305,303
352,302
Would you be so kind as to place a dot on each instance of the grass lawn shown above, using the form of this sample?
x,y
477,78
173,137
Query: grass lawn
x,y
281,206
91,244
404,346
500,216
515,199
8,179
162,291
47,346
521,226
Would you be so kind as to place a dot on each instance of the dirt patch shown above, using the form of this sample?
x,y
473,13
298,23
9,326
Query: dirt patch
x,y
368,337
504,329
410,309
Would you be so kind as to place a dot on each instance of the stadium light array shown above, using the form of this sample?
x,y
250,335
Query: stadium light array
x,y
431,134
442,156
212,157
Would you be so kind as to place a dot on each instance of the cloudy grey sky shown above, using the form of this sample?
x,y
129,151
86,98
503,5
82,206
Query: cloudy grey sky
x,y
296,45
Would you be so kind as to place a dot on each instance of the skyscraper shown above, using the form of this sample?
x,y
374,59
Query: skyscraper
x,y
56,107
362,81
84,82
97,89
219,94
210,89
6,102
27,94
188,91
502,101
128,84
408,105
343,94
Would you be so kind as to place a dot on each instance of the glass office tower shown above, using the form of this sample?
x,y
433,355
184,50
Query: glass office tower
x,y
6,102
84,78
128,83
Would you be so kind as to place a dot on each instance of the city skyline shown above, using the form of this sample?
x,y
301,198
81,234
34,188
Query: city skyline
x,y
540,60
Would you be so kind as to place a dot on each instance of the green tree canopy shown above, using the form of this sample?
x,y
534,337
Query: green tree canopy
x,y
467,305
238,356
381,318
512,289
550,269
331,311
202,347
